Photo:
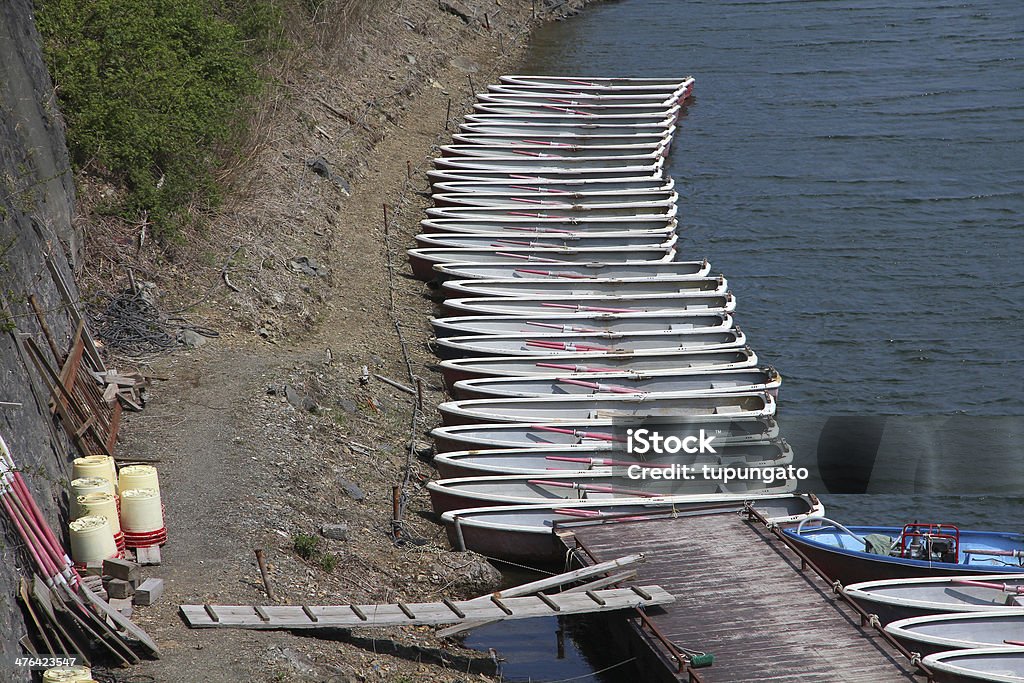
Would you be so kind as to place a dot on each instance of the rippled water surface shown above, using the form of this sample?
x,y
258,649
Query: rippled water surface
x,y
856,170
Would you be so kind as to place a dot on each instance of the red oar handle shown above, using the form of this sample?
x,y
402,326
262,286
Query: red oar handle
x,y
1005,587
546,142
575,432
578,513
603,462
528,153
1014,642
528,188
600,387
565,346
596,488
548,273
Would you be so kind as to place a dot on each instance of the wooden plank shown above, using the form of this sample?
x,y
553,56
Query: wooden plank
x,y
426,613
535,587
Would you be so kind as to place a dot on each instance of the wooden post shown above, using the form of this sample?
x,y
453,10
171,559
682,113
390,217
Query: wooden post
x,y
448,114
262,562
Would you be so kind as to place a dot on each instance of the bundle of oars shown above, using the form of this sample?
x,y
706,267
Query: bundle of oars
x,y
71,619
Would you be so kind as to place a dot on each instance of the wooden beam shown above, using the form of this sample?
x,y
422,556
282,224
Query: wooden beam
x,y
426,613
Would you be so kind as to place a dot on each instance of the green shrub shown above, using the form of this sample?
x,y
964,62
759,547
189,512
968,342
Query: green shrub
x,y
328,562
306,545
153,92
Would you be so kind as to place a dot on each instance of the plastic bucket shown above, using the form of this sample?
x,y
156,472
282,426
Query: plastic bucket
x,y
106,505
95,466
92,540
138,477
84,486
142,518
66,674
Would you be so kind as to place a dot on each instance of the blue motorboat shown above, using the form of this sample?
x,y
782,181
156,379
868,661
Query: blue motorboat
x,y
851,554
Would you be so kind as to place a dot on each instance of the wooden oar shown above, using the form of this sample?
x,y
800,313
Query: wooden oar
x,y
541,202
528,257
595,514
598,386
548,143
529,188
573,368
1014,642
558,231
596,488
564,328
565,346
1004,587
578,434
548,273
599,309
604,462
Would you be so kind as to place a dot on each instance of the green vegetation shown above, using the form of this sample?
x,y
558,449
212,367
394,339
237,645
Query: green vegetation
x,y
328,562
306,545
153,93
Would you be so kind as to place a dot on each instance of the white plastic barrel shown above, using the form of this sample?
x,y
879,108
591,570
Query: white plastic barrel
x,y
85,486
138,477
95,466
92,540
101,504
67,674
141,511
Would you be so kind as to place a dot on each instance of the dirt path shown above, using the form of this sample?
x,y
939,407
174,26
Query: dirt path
x,y
266,433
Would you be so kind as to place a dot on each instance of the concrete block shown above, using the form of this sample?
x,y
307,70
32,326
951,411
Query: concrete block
x,y
148,556
149,592
122,605
94,568
121,569
119,588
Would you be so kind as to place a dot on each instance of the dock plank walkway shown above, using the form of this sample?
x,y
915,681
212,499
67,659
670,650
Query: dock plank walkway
x,y
741,596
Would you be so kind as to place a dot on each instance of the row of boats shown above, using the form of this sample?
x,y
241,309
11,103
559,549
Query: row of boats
x,y
569,320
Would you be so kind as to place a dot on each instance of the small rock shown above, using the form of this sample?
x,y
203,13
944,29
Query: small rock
x,y
410,59
423,450
348,405
335,532
299,400
263,332
298,661
273,390
322,168
473,573
307,266
191,338
351,489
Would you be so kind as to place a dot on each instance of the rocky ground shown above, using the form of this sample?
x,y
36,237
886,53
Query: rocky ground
x,y
266,433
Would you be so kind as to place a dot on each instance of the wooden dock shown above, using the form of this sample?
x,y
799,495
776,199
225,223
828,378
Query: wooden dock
x,y
742,597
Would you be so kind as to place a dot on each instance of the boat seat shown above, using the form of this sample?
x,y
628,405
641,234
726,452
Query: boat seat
x,y
727,410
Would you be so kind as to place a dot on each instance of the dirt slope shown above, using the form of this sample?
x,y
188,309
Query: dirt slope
x,y
266,432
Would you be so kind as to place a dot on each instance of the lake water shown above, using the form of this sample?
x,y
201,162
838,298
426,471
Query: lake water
x,y
856,169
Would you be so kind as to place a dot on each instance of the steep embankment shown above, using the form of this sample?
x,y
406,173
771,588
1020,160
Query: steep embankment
x,y
266,434
36,205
